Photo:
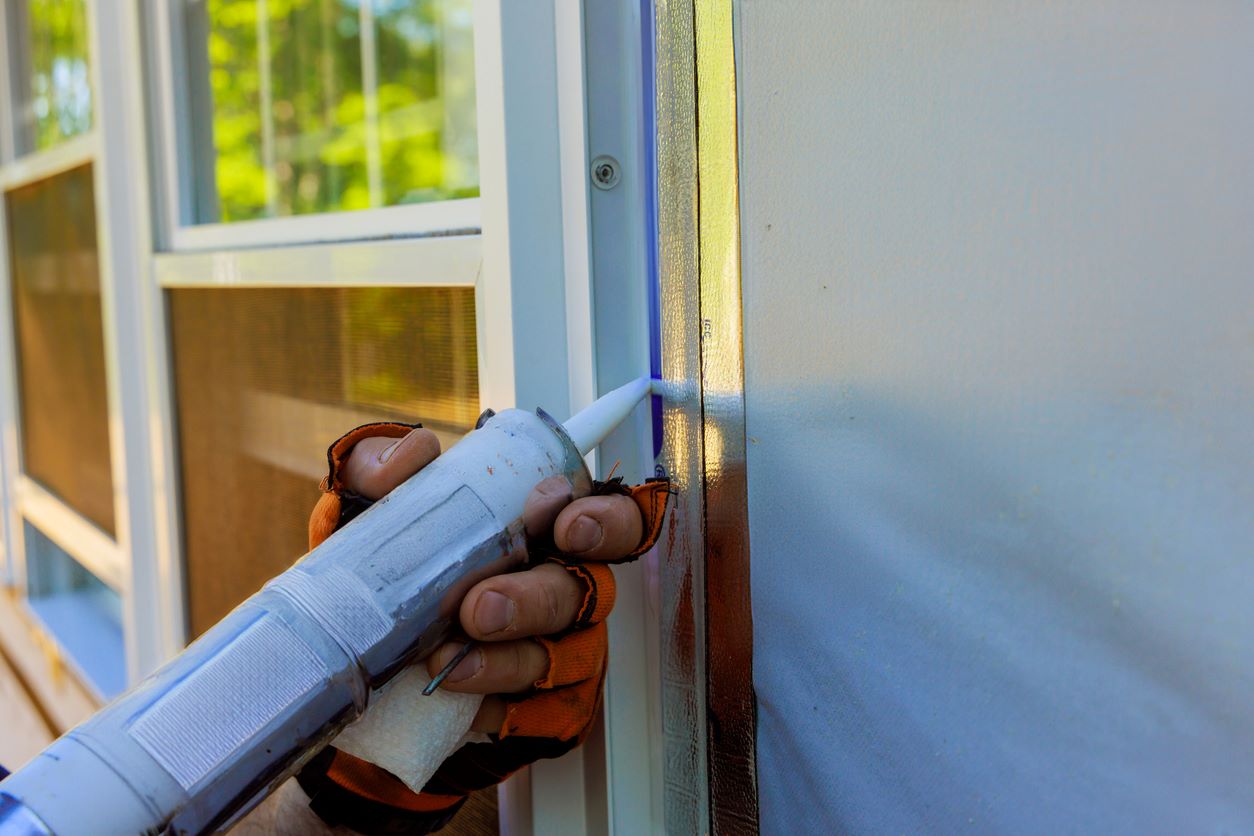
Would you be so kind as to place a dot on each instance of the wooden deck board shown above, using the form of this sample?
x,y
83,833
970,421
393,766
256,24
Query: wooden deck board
x,y
24,731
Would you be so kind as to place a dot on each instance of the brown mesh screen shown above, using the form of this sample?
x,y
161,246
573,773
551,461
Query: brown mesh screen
x,y
265,379
60,341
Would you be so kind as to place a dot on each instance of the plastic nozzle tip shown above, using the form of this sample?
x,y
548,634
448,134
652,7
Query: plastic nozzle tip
x,y
589,427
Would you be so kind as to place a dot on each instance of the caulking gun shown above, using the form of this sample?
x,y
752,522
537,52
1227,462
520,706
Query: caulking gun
x,y
205,738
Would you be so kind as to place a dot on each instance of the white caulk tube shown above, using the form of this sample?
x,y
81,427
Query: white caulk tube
x,y
201,741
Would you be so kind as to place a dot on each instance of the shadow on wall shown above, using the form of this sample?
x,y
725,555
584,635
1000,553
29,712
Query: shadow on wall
x,y
1020,616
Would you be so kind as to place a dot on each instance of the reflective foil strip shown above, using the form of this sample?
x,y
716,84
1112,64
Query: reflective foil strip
x,y
709,713
731,721
686,804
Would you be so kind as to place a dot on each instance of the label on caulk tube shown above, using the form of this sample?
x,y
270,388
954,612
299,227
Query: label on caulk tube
x,y
197,724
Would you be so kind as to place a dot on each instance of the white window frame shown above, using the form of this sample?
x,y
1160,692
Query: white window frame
x,y
178,232
532,234
25,500
526,245
65,698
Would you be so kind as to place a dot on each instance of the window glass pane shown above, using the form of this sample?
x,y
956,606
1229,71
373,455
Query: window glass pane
x,y
265,379
328,105
82,612
62,395
51,81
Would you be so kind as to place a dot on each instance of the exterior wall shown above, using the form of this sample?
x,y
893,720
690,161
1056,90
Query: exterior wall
x,y
1000,405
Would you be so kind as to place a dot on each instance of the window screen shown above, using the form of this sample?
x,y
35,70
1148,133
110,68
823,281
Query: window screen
x,y
82,612
51,83
265,379
309,106
62,392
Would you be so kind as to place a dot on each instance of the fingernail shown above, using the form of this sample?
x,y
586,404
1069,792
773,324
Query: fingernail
x,y
494,612
387,452
466,668
584,534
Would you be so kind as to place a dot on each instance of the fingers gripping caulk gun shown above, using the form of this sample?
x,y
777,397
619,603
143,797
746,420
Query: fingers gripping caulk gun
x,y
206,737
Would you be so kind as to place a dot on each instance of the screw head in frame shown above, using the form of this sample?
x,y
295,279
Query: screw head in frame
x,y
606,172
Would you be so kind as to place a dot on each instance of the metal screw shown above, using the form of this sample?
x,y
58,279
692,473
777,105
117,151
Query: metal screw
x,y
605,172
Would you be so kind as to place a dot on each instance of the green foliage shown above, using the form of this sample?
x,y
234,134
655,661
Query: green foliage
x,y
296,129
59,106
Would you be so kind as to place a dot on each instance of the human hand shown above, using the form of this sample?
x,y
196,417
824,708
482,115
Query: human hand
x,y
540,632
506,612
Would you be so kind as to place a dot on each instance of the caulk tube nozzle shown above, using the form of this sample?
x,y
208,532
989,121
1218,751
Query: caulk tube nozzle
x,y
589,427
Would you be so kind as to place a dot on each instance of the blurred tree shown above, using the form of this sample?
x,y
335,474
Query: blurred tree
x,y
311,114
59,103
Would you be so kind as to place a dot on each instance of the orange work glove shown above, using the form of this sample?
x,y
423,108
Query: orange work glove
x,y
549,719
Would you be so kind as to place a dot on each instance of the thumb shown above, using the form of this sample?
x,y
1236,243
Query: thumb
x,y
377,465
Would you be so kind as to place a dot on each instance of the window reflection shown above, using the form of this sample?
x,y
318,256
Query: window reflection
x,y
49,62
329,105
82,612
